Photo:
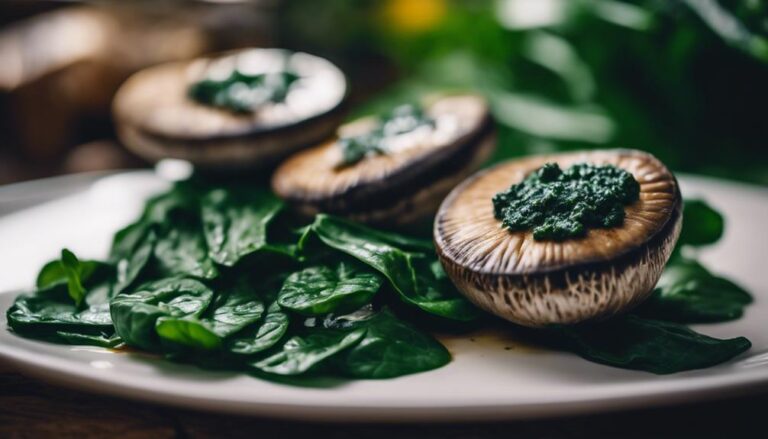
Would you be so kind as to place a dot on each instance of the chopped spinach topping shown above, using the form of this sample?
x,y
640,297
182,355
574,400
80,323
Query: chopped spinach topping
x,y
403,119
242,92
562,204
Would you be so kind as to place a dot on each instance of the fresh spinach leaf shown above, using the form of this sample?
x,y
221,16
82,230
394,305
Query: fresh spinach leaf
x,y
421,287
237,307
632,342
702,224
300,354
50,311
181,250
321,289
54,272
236,223
101,340
688,293
392,348
258,338
131,266
135,315
74,272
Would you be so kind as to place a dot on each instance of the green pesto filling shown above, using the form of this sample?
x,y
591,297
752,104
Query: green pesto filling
x,y
401,120
241,92
561,204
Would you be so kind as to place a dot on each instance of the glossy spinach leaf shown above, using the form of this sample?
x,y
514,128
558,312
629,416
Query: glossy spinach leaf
x,y
236,223
302,353
392,348
50,312
632,342
264,335
235,308
54,272
104,340
412,274
702,224
133,264
180,250
74,271
321,289
135,315
688,293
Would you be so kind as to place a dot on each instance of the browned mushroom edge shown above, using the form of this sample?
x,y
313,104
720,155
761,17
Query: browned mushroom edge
x,y
408,194
264,148
571,292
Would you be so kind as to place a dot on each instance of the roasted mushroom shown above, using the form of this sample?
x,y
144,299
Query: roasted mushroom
x,y
536,254
248,108
392,170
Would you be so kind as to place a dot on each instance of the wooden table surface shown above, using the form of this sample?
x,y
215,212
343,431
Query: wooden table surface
x,y
31,408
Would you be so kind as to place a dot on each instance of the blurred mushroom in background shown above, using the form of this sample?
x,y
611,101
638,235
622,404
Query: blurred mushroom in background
x,y
61,67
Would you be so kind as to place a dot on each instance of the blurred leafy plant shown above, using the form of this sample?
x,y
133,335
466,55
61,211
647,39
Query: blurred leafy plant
x,y
682,79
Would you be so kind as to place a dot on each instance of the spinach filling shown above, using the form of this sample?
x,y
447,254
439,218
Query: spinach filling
x,y
243,92
561,204
402,120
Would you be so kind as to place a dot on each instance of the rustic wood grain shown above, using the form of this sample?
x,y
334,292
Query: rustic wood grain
x,y
32,409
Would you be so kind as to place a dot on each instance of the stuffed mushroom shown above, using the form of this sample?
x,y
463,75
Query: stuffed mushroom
x,y
560,239
392,170
247,108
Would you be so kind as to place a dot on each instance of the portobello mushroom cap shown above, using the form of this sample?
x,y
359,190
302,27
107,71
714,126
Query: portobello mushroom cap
x,y
539,283
400,187
156,118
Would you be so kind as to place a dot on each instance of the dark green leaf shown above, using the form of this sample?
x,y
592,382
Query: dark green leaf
x,y
322,289
702,224
236,223
74,271
54,273
393,348
131,266
236,308
301,353
632,342
181,250
100,340
421,287
688,293
135,315
49,311
263,336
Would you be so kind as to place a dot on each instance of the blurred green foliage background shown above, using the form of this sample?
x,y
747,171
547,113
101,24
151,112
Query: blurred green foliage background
x,y
684,79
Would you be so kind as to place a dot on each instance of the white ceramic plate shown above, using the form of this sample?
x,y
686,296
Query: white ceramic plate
x,y
491,376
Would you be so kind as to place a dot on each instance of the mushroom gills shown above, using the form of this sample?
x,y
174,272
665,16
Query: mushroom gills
x,y
538,283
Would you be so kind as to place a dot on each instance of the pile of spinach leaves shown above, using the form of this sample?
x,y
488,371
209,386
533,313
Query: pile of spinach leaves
x,y
223,276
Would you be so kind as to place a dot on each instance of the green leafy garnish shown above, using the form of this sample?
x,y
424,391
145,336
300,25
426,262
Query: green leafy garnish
x,y
427,290
300,354
401,120
702,225
242,92
688,293
74,272
656,346
235,223
322,289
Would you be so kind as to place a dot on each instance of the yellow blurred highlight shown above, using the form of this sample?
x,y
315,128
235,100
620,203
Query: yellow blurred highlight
x,y
414,16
